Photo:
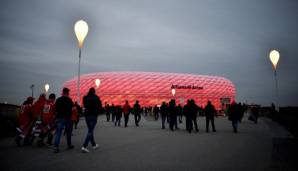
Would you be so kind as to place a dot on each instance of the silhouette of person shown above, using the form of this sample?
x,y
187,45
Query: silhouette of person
x,y
187,114
193,112
210,113
255,113
93,107
108,111
25,121
63,119
113,112
180,112
156,112
126,111
234,115
164,114
137,112
173,114
118,115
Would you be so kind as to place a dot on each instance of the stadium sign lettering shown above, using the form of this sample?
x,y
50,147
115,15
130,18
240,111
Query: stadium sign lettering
x,y
193,87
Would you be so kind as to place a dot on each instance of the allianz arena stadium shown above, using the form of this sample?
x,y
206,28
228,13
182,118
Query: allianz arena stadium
x,y
152,88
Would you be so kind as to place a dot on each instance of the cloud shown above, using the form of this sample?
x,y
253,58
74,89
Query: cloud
x,y
230,39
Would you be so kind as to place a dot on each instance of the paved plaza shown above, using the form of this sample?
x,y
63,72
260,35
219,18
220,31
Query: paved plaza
x,y
148,147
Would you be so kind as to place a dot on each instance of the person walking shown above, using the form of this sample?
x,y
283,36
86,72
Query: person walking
x,y
194,112
173,115
188,117
137,112
113,112
25,121
234,115
74,116
79,113
180,113
156,112
255,113
63,108
93,107
48,121
210,112
126,111
164,114
118,115
37,117
108,111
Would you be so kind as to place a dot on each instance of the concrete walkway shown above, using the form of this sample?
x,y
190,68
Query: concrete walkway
x,y
148,147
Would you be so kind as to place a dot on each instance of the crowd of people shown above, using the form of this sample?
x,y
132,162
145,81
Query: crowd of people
x,y
47,118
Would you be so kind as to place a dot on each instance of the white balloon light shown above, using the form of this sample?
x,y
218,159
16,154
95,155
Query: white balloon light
x,y
97,83
47,87
173,92
274,58
81,31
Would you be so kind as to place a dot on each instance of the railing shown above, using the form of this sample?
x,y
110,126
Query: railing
x,y
287,117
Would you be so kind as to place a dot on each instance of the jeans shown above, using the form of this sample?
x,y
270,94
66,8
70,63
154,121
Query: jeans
x,y
212,123
91,123
189,125
137,119
235,125
126,118
173,122
61,123
113,116
163,120
118,120
108,116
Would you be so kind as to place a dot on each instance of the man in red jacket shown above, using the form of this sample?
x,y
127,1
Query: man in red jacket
x,y
38,106
37,113
48,120
25,122
126,112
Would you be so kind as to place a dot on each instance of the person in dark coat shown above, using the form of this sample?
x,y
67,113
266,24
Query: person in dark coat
x,y
164,114
63,108
126,109
108,111
255,113
173,115
80,113
234,115
137,112
210,112
156,112
180,113
194,112
118,115
187,114
113,112
93,106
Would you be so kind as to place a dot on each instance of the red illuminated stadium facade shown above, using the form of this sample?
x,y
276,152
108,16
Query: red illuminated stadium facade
x,y
152,88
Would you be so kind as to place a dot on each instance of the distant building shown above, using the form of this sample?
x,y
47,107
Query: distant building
x,y
152,88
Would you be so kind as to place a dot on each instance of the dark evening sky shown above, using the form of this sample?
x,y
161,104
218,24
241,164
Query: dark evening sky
x,y
230,38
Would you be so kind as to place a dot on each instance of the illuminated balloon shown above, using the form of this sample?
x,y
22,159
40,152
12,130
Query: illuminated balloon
x,y
81,31
274,58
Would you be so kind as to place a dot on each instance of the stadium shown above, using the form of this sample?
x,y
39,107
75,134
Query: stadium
x,y
152,88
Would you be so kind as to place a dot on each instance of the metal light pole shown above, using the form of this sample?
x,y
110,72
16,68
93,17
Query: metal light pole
x,y
274,58
81,31
32,90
